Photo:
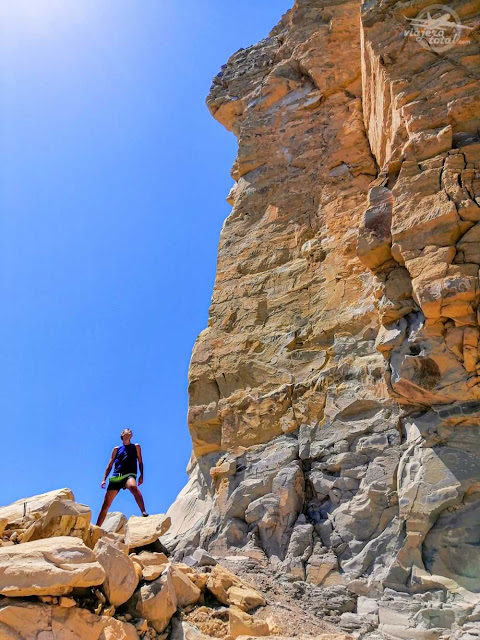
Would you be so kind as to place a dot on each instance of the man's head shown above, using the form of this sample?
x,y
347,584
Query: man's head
x,y
126,435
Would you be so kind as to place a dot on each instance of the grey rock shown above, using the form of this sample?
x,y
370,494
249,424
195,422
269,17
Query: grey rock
x,y
203,558
115,522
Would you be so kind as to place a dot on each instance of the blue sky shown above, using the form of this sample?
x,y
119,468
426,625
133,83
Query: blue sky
x,y
113,181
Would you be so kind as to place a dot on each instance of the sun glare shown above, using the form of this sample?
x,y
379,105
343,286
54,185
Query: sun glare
x,y
43,15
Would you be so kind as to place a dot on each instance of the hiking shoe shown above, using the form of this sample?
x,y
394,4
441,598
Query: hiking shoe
x,y
145,514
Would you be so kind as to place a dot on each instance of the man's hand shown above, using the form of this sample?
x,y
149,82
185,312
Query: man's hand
x,y
140,480
109,467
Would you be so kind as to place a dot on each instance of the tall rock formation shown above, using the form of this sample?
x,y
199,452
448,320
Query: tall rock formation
x,y
335,394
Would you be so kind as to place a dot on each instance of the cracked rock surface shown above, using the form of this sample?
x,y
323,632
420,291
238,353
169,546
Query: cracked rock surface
x,y
334,395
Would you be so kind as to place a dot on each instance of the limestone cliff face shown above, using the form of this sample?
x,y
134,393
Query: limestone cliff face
x,y
288,278
335,394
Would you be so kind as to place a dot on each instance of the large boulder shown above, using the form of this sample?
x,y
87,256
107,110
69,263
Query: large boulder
x,y
185,590
34,506
121,578
115,522
230,589
157,601
241,623
141,532
48,567
46,515
63,518
20,620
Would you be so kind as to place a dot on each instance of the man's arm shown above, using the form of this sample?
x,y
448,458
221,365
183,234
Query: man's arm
x,y
140,463
109,466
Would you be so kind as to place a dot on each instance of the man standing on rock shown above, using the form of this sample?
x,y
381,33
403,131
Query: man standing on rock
x,y
124,474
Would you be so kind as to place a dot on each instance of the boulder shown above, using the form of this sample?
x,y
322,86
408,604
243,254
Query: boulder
x,y
203,558
75,623
24,619
245,597
141,532
198,578
48,567
200,558
121,578
186,591
21,620
320,564
229,589
34,506
94,535
54,513
115,522
241,623
157,601
117,630
65,601
182,630
152,564
62,518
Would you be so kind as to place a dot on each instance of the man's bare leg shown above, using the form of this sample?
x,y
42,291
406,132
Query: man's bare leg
x,y
135,491
109,496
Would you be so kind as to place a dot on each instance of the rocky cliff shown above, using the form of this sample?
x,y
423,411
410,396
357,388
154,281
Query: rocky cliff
x,y
334,485
335,394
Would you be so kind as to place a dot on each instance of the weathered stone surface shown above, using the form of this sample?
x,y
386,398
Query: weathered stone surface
x,y
291,192
334,395
141,532
320,564
203,558
94,535
157,601
152,564
52,566
117,630
197,576
21,620
191,507
186,591
184,631
115,522
230,589
46,515
121,577
241,623
33,506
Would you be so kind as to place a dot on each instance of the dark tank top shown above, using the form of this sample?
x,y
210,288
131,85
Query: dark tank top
x,y
126,460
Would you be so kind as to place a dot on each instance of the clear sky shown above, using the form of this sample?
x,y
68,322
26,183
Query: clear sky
x,y
113,180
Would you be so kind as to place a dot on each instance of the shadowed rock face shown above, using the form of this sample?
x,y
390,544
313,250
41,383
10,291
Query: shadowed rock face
x,y
334,395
